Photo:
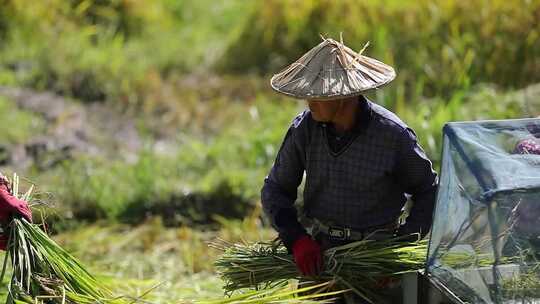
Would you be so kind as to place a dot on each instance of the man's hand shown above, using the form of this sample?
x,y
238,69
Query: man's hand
x,y
308,256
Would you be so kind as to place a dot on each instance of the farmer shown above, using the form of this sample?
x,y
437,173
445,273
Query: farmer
x,y
360,161
10,206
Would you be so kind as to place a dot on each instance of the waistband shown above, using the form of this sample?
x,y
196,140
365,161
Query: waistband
x,y
339,233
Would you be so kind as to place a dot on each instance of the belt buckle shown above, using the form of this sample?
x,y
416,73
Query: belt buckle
x,y
339,233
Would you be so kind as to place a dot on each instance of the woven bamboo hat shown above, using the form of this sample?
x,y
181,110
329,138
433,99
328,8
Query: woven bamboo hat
x,y
332,70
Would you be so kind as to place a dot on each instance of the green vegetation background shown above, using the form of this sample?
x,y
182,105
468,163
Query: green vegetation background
x,y
194,75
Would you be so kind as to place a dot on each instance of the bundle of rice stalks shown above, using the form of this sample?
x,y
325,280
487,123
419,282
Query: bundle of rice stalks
x,y
43,272
356,266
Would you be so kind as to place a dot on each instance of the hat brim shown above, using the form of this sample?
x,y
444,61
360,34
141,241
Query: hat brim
x,y
331,70
328,96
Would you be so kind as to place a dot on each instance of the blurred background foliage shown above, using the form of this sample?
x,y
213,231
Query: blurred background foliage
x,y
192,75
128,112
190,78
437,47
124,50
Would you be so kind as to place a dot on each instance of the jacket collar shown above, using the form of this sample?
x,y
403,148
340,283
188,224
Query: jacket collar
x,y
364,114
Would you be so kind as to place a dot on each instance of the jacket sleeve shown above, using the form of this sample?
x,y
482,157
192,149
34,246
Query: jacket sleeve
x,y
417,177
281,185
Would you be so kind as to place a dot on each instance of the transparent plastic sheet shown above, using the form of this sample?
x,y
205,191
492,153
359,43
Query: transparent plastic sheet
x,y
485,238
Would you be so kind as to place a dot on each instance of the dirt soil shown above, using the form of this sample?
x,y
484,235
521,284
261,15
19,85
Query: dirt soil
x,y
71,128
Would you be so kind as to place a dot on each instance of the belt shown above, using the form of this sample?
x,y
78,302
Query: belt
x,y
347,234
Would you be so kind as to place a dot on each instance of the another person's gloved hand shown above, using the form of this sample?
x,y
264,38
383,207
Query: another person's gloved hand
x,y
10,205
308,256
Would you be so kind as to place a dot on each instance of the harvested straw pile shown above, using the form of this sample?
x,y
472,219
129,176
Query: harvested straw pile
x,y
43,272
356,266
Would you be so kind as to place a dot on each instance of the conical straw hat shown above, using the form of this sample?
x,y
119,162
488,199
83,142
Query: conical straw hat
x,y
332,70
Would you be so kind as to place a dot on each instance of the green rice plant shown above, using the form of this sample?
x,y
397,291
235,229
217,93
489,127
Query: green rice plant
x,y
442,57
28,124
356,266
43,271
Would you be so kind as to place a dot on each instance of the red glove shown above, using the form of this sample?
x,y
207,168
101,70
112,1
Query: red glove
x,y
10,205
308,256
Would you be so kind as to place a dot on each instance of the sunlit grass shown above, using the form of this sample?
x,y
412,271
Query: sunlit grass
x,y
177,262
28,124
178,259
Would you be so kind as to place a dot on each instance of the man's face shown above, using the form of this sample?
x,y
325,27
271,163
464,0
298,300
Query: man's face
x,y
324,111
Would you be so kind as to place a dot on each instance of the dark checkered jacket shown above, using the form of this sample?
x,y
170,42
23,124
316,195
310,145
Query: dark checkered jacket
x,y
361,185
